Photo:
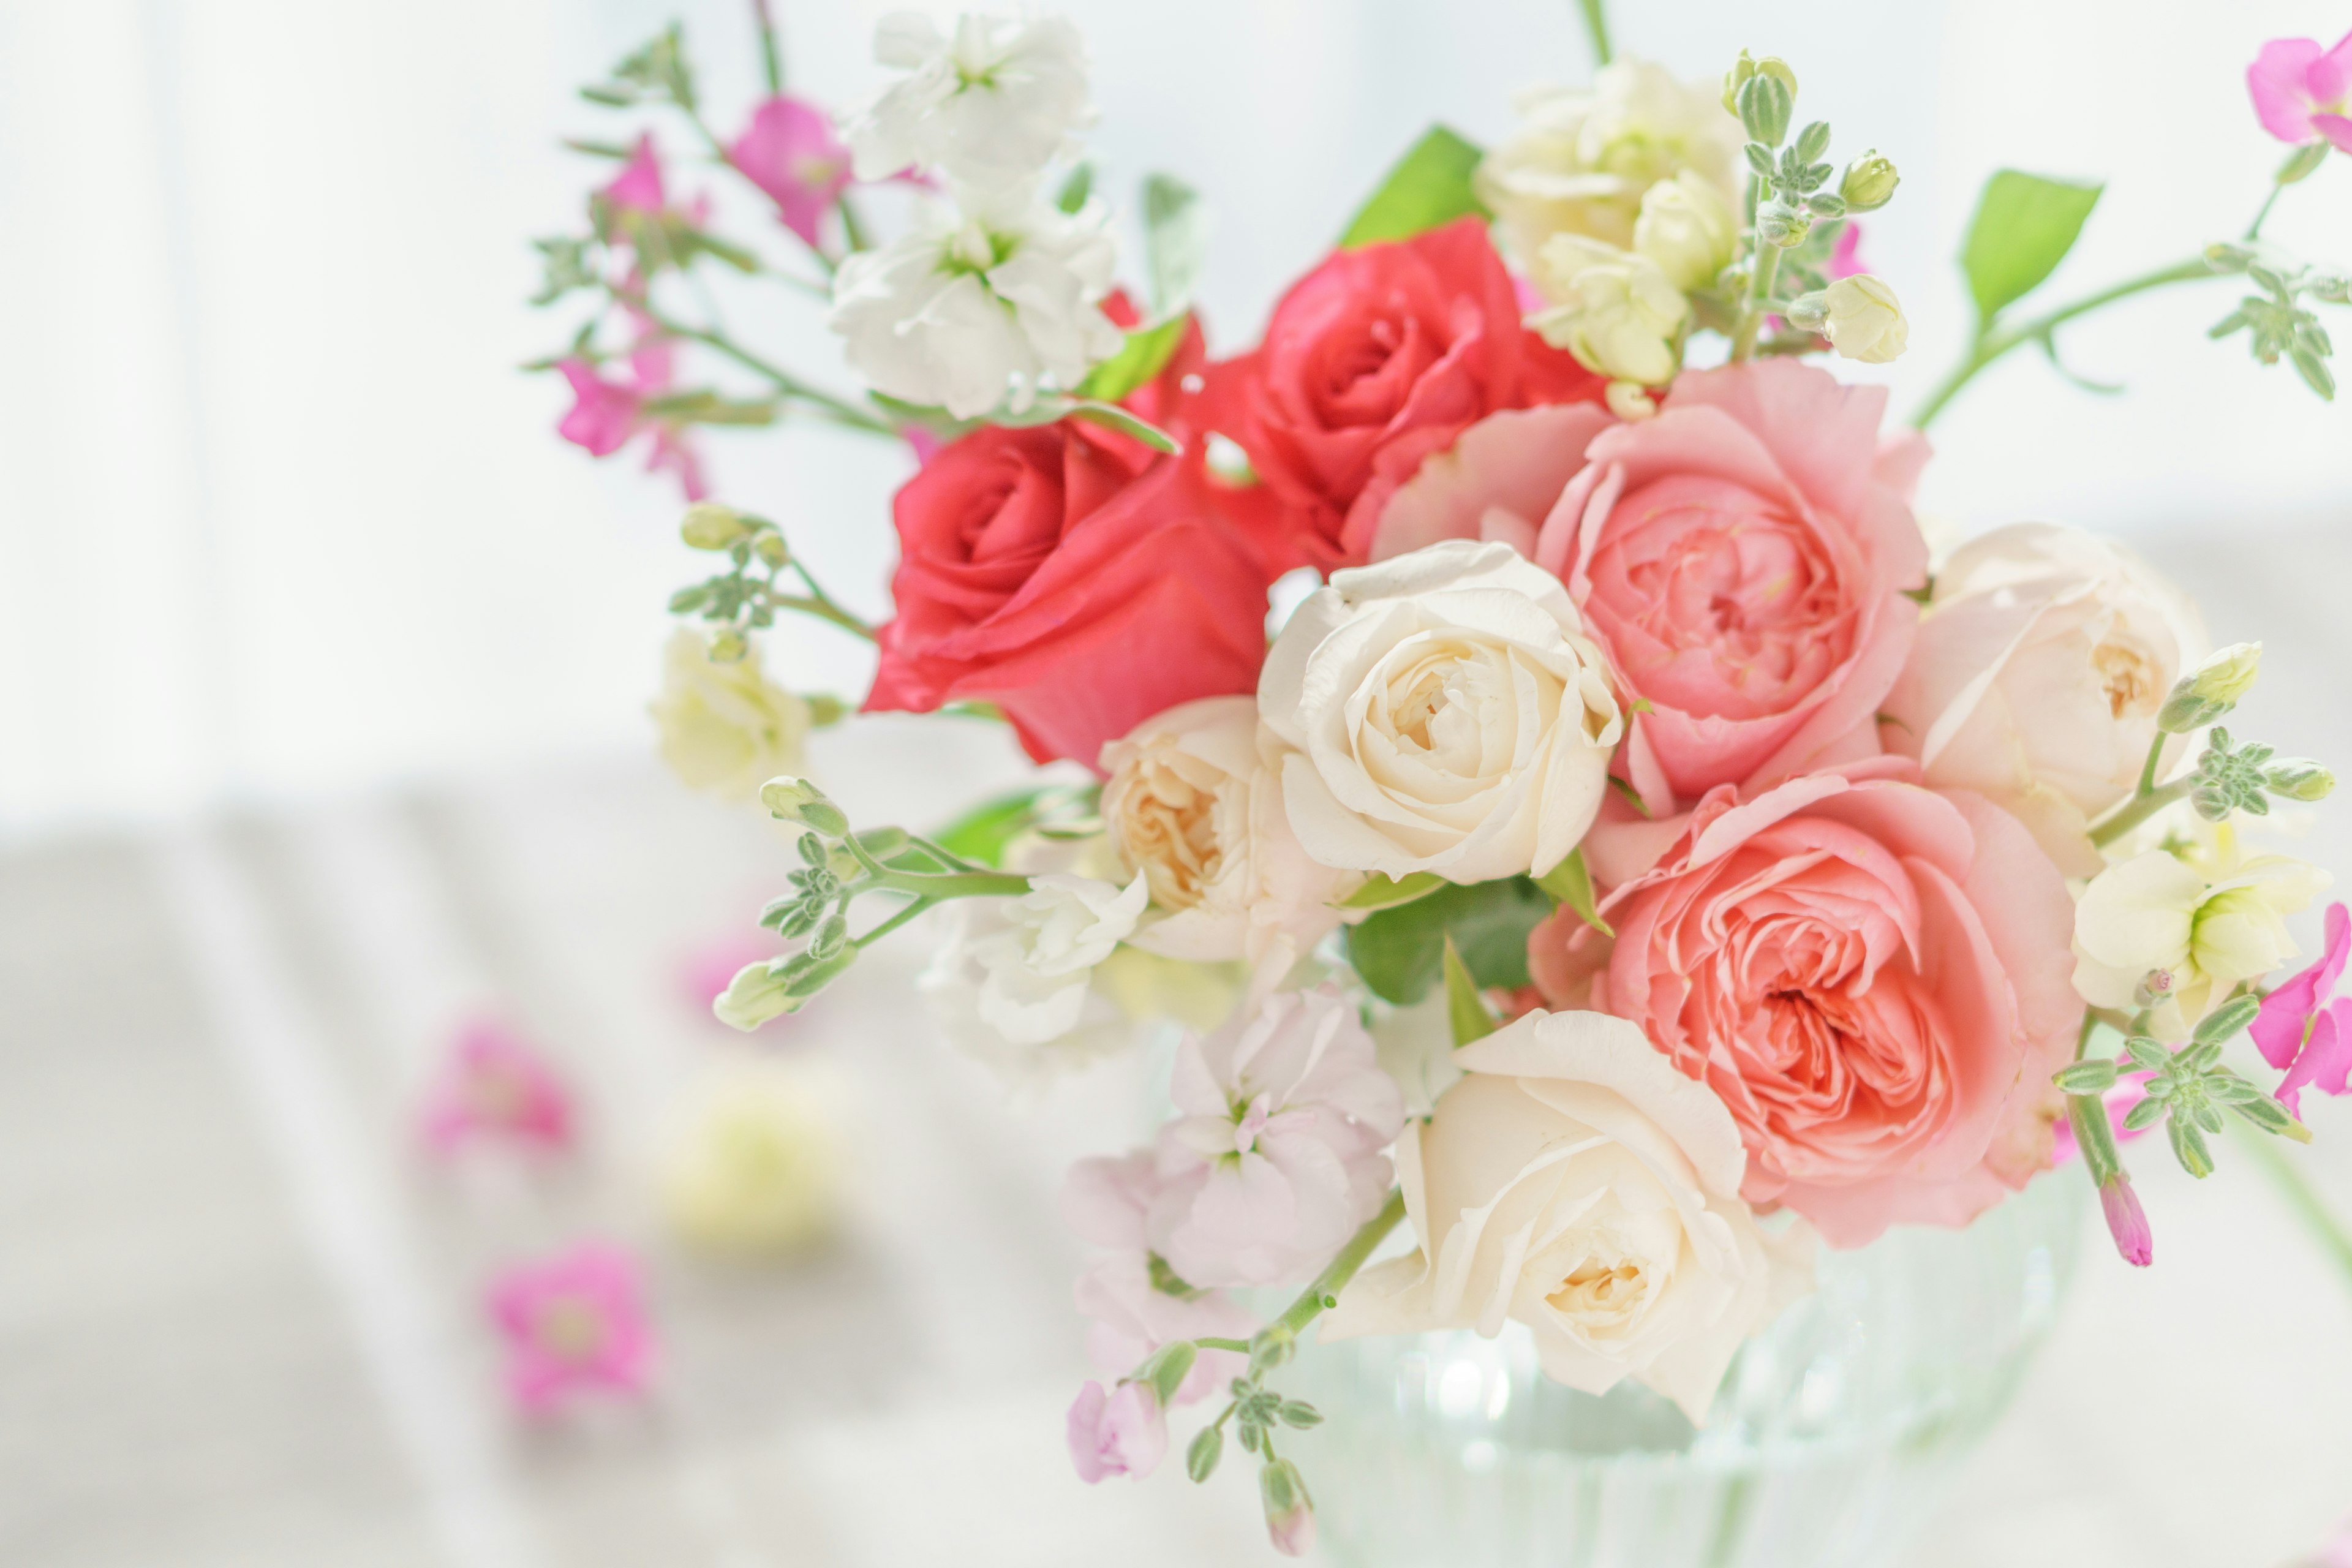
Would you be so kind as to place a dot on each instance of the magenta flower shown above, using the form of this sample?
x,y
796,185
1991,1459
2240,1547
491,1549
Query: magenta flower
x,y
2302,92
790,151
605,416
2127,1221
574,1325
2301,1031
1122,1433
493,1086
1846,261
638,187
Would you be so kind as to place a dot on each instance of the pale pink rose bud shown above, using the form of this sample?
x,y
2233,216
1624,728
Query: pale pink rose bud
x,y
1289,1514
1122,1433
2127,1221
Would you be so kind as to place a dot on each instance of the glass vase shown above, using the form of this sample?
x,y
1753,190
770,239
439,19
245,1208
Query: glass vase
x,y
1827,1447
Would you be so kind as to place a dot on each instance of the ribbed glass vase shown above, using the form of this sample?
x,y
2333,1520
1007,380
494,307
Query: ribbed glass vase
x,y
1827,1448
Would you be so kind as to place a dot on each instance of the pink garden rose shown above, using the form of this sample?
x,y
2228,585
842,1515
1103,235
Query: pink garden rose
x,y
1741,558
2303,92
1873,976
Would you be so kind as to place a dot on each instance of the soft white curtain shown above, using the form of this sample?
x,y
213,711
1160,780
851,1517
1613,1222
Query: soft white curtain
x,y
279,513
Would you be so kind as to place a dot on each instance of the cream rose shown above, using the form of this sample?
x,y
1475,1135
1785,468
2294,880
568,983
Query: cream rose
x,y
726,727
1575,1183
1439,712
1192,803
2036,677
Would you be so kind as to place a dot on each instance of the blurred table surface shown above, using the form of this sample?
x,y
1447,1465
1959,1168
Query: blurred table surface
x,y
240,1322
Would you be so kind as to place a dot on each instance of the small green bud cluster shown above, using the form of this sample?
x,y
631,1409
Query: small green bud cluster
x,y
1792,182
2244,778
1256,1413
2212,690
744,599
2187,1090
2277,321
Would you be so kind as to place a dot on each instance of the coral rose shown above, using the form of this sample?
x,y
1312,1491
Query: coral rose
x,y
1073,578
1373,360
1742,558
1874,976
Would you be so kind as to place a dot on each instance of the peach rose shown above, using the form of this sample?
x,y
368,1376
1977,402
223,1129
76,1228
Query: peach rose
x,y
1741,558
1874,977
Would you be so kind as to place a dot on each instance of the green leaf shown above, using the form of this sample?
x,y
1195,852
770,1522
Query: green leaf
x,y
1401,952
1146,353
1175,242
1466,1010
983,833
1429,186
2024,226
1077,188
2227,1021
1572,884
1380,893
1111,417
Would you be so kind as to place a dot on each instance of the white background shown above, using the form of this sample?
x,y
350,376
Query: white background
x,y
278,513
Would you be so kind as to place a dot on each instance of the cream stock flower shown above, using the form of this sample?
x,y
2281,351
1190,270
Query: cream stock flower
x,y
970,308
1442,712
726,727
989,105
1614,309
1575,1183
2209,917
1687,229
1864,320
2039,666
1192,803
1582,161
754,1160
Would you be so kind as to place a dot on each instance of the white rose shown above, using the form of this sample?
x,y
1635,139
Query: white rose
x,y
1575,1183
2040,665
2205,919
967,309
1865,320
726,727
1442,712
1614,309
1582,161
990,106
1010,981
1192,802
1687,229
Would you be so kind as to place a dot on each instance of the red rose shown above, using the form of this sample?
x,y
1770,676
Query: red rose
x,y
1375,361
1071,577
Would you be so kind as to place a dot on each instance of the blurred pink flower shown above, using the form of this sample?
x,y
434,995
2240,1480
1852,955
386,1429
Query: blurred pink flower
x,y
1121,1433
638,186
2302,91
1846,261
2301,1031
573,1324
790,151
494,1086
605,416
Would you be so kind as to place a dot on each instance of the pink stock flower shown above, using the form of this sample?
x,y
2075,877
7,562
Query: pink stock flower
x,y
638,186
2301,1031
573,1324
790,151
2127,1221
1846,261
605,416
493,1086
2302,91
1133,1313
1121,1433
1275,1156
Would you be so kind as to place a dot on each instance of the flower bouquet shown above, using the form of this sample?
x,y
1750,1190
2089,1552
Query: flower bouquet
x,y
1606,868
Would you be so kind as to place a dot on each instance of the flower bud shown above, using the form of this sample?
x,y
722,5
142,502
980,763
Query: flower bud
x,y
1687,229
797,800
2155,988
769,547
1863,320
708,525
729,646
2212,690
1289,1513
1778,223
1869,183
1808,313
2300,778
2127,1221
755,995
1630,401
1746,70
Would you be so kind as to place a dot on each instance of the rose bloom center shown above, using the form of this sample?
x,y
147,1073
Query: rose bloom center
x,y
1170,826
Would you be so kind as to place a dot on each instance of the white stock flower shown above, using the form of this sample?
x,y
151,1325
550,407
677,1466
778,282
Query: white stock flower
x,y
1192,802
1443,712
2208,916
1009,981
1275,1158
1575,1181
726,727
1582,161
990,105
1865,321
2039,666
1687,229
967,309
1614,309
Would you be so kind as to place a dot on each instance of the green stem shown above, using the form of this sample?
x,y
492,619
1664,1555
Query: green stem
x,y
824,610
832,606
772,58
1759,296
936,885
1992,343
840,410
1342,1269
894,922
2137,811
1596,27
2309,1207
1210,1342
2254,229
2147,773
